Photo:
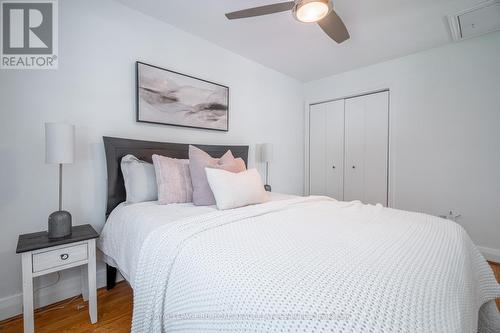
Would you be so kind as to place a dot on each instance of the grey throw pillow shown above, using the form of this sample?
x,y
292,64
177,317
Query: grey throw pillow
x,y
140,179
198,161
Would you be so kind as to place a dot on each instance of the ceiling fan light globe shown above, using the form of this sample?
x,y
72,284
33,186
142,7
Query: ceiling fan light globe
x,y
311,11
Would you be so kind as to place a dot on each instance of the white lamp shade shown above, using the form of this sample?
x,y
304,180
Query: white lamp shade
x,y
59,143
266,152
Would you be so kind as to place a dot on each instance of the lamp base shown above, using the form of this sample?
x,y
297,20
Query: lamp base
x,y
59,224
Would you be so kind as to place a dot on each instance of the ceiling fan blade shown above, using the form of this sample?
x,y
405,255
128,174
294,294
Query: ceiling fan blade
x,y
333,26
262,10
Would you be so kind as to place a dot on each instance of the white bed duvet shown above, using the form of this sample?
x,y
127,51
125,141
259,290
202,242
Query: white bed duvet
x,y
303,265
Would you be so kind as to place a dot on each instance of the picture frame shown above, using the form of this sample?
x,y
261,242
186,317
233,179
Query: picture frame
x,y
171,98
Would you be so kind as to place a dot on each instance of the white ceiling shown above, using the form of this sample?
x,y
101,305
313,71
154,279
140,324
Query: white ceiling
x,y
380,30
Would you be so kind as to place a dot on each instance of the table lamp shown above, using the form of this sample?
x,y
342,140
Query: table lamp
x,y
266,154
59,149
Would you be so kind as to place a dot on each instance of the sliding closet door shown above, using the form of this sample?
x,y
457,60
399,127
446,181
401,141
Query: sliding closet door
x,y
326,149
366,148
317,148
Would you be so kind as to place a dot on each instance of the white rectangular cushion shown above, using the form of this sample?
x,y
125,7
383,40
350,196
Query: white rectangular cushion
x,y
140,179
232,190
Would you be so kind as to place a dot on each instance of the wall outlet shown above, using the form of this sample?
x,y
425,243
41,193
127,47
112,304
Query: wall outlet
x,y
454,216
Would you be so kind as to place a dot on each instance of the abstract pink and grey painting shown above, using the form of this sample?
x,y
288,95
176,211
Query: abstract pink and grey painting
x,y
167,97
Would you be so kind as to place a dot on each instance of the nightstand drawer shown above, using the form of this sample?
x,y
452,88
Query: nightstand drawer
x,y
59,257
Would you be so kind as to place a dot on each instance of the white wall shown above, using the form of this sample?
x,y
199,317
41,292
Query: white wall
x,y
445,130
94,89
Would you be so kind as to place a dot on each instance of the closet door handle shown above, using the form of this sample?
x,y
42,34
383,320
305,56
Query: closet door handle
x,y
333,166
354,167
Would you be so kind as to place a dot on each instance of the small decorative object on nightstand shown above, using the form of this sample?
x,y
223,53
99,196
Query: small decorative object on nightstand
x,y
41,255
59,149
266,155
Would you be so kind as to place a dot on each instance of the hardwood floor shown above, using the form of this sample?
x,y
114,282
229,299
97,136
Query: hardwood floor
x,y
496,270
115,313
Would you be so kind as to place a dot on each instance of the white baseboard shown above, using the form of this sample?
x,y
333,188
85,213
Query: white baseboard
x,y
11,306
490,254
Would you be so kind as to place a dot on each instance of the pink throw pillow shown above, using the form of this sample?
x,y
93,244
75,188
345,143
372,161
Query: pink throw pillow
x,y
173,179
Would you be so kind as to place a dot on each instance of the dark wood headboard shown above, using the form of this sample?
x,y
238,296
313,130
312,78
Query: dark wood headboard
x,y
116,148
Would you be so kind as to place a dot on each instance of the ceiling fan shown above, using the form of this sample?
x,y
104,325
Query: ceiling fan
x,y
307,11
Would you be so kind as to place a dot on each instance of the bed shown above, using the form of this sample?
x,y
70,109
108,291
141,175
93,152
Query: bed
x,y
293,264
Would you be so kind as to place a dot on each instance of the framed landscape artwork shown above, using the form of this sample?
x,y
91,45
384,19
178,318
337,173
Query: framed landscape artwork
x,y
171,98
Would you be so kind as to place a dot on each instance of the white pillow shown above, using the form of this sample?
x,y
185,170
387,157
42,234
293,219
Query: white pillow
x,y
232,190
140,179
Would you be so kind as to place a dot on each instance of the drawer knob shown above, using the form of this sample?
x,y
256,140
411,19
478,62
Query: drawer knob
x,y
64,256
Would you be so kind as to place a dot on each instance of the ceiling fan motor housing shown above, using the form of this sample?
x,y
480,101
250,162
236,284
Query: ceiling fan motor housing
x,y
302,4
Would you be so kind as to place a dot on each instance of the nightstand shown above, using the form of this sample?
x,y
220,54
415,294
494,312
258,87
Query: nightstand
x,y
41,255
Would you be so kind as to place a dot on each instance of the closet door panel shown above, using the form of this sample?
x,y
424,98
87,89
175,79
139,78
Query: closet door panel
x,y
335,149
377,142
317,148
354,176
366,135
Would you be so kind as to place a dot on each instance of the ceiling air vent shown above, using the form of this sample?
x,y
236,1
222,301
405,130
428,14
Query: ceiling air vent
x,y
476,21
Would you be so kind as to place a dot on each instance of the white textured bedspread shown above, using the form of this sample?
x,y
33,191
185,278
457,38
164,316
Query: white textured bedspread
x,y
312,265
